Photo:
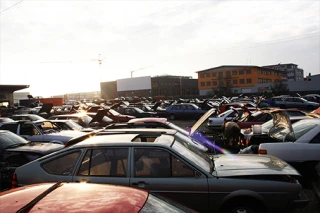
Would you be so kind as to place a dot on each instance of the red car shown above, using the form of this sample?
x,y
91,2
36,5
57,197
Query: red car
x,y
84,197
263,116
228,106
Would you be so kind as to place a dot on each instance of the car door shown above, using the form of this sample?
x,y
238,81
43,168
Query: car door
x,y
104,165
160,171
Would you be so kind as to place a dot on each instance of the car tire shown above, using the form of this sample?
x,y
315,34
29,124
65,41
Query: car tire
x,y
172,117
249,205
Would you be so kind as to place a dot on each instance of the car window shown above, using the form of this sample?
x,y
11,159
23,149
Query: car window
x,y
149,162
176,107
295,113
299,129
28,129
11,127
62,165
111,162
316,139
262,118
190,107
8,138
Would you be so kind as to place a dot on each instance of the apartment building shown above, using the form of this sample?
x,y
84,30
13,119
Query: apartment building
x,y
238,79
293,72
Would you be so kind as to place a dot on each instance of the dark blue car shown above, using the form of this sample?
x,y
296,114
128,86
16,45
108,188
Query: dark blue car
x,y
184,111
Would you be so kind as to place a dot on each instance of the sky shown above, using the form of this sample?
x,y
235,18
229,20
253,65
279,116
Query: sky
x,y
55,46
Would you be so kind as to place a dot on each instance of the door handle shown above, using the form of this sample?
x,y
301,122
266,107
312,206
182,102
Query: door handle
x,y
140,184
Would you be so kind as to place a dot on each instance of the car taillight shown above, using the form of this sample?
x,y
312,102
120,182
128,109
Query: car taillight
x,y
14,181
262,152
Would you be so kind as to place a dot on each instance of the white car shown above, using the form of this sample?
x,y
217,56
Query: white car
x,y
42,131
296,144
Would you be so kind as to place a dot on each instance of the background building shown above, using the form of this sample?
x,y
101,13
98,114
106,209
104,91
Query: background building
x,y
6,93
293,72
157,87
237,79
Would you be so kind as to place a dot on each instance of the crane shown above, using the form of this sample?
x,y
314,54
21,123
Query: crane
x,y
132,71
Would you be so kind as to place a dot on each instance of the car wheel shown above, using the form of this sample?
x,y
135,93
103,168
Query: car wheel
x,y
245,206
242,209
172,117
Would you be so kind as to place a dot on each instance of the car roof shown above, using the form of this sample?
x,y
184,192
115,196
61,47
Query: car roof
x,y
127,136
89,196
148,120
70,115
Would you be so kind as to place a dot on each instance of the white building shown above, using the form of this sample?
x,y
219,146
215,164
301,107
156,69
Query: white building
x,y
293,72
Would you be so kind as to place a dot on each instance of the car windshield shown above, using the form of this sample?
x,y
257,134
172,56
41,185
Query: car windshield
x,y
138,110
9,139
266,126
86,119
225,113
189,151
299,129
250,117
73,125
47,125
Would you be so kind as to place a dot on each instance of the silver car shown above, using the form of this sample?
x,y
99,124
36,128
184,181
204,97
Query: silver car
x,y
173,168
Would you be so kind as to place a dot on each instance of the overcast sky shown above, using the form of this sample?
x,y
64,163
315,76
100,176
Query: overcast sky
x,y
54,46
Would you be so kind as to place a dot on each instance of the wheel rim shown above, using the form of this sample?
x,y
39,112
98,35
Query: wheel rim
x,y
242,210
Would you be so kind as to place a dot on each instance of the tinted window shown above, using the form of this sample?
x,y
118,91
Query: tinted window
x,y
316,139
11,127
28,129
62,165
110,162
159,163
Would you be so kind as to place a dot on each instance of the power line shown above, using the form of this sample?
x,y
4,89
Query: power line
x,y
288,39
11,6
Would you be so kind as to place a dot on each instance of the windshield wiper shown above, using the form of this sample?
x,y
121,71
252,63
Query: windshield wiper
x,y
33,202
15,145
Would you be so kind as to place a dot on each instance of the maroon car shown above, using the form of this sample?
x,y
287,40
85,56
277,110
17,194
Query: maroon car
x,y
263,116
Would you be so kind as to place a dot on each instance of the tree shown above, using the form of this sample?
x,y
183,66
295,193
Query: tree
x,y
279,88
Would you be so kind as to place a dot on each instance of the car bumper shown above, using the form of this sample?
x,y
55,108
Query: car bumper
x,y
299,203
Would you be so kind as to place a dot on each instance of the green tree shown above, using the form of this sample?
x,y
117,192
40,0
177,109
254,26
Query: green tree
x,y
279,88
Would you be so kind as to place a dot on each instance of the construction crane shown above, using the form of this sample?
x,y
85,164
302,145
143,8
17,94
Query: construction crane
x,y
132,71
100,59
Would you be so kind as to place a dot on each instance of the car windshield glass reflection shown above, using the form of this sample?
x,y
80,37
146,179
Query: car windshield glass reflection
x,y
194,155
8,139
299,129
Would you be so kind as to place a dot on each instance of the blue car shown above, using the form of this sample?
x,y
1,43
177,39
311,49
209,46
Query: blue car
x,y
184,111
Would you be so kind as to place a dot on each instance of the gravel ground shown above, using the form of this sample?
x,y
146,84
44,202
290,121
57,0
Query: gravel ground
x,y
314,201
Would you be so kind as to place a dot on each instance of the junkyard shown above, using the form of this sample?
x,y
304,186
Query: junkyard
x,y
216,143
178,106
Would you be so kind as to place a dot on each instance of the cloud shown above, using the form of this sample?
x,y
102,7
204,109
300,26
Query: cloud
x,y
176,37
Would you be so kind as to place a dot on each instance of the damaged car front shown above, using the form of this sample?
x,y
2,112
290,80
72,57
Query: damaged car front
x,y
270,184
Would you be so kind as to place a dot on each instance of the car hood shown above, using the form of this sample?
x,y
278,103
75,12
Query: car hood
x,y
201,120
247,165
38,147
